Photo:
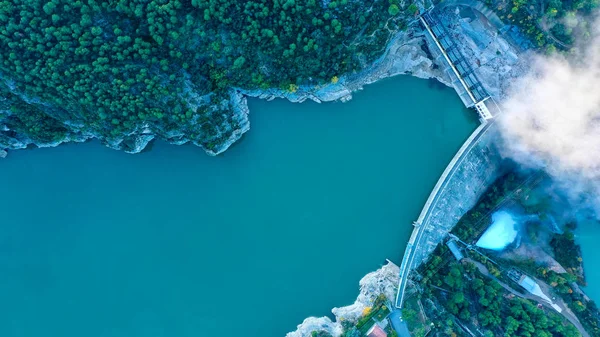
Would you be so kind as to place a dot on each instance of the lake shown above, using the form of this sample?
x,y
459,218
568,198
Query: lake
x,y
171,242
587,234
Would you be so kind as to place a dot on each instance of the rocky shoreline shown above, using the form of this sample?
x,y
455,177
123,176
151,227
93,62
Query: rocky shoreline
x,y
405,54
382,281
496,63
495,60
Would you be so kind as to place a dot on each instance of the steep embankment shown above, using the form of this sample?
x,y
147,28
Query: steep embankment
x,y
126,72
382,281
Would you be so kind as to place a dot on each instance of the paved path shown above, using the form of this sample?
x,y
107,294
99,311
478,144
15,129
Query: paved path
x,y
416,239
483,269
543,25
398,323
566,313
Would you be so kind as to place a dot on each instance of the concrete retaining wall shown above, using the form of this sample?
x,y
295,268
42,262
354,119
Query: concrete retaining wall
x,y
473,169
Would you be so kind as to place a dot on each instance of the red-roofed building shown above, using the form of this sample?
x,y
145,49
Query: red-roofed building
x,y
376,331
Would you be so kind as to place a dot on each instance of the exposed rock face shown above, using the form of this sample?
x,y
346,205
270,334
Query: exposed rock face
x,y
382,281
136,140
241,112
406,53
495,61
317,324
472,173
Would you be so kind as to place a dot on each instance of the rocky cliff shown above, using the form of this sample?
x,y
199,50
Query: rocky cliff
x,y
495,60
382,281
405,54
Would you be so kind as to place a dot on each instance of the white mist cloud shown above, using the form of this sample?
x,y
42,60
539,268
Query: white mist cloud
x,y
551,120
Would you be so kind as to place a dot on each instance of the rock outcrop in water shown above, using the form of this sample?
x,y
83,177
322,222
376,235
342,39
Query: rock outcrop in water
x,y
496,63
382,281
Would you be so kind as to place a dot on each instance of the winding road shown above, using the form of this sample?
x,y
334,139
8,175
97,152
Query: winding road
x,y
566,313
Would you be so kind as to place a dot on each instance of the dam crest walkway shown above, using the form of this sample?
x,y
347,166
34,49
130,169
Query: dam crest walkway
x,y
473,95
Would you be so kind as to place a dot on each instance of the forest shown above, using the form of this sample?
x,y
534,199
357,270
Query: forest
x,y
113,68
550,24
503,190
568,253
514,190
470,299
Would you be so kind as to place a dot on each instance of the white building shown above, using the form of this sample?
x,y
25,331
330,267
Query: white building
x,y
531,286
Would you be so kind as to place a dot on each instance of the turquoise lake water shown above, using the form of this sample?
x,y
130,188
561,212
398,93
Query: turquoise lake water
x,y
587,235
172,242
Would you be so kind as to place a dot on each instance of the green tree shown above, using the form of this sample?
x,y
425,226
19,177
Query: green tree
x,y
239,62
413,9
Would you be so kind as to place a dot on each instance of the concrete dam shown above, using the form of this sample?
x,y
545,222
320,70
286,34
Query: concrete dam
x,y
473,169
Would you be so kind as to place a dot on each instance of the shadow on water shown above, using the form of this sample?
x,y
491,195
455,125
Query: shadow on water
x,y
470,114
33,147
434,84
149,146
237,143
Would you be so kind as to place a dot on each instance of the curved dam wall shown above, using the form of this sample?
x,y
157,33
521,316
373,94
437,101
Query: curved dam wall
x,y
472,170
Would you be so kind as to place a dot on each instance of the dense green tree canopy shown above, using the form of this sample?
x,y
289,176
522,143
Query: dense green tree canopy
x,y
114,67
550,24
484,301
